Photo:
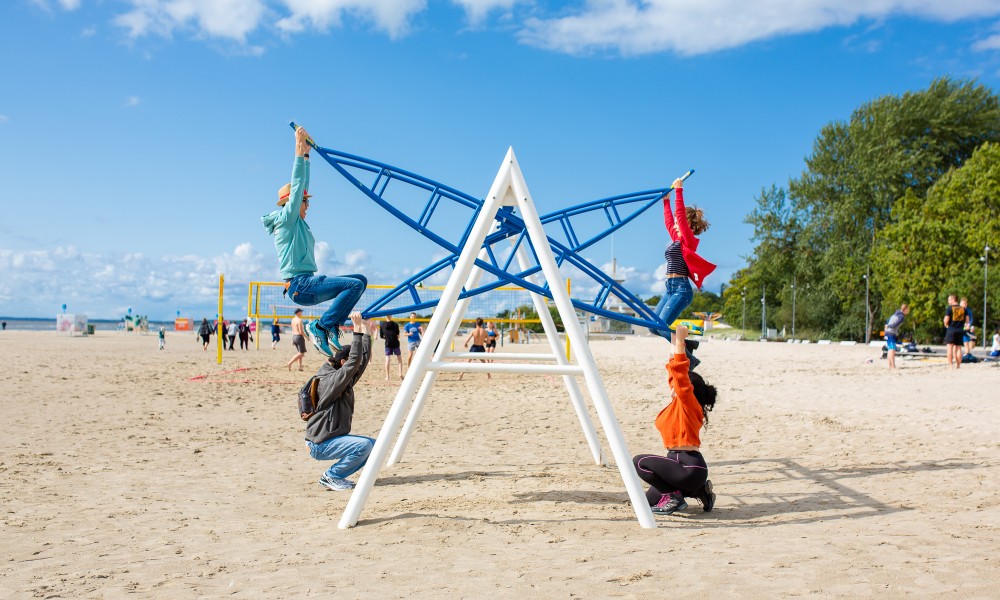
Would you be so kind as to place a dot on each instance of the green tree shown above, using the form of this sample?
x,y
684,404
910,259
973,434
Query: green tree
x,y
823,234
934,244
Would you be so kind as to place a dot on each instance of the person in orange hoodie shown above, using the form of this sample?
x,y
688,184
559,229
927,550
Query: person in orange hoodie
x,y
682,472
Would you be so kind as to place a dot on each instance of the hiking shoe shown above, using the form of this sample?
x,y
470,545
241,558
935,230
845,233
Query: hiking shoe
x,y
333,337
706,496
670,503
692,359
318,338
335,484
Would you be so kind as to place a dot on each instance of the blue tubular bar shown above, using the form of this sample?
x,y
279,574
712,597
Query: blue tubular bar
x,y
510,226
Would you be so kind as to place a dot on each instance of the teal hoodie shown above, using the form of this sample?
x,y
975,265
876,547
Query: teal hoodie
x,y
293,239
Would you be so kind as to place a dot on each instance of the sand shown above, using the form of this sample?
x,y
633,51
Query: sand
x,y
835,478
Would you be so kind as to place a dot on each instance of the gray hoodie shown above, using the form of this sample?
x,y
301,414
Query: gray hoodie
x,y
335,410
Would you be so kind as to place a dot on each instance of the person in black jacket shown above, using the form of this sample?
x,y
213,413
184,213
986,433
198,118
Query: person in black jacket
x,y
328,430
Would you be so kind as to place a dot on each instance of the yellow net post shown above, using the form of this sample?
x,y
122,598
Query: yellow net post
x,y
564,325
219,333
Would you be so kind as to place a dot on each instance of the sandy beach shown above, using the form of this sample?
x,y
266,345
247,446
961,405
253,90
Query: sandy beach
x,y
120,474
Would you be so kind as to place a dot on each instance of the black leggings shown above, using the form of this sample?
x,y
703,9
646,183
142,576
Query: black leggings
x,y
682,470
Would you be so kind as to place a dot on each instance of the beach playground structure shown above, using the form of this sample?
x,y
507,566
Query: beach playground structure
x,y
504,244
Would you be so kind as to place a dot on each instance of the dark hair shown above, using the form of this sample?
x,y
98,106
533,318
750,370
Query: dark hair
x,y
704,393
479,321
342,354
696,220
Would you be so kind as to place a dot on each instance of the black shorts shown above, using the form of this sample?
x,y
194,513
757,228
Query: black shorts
x,y
476,348
491,344
954,336
299,343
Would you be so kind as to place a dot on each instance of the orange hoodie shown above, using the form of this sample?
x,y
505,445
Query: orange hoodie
x,y
680,421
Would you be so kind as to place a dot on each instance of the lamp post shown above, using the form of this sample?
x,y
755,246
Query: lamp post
x,y
744,294
793,306
763,311
867,312
986,272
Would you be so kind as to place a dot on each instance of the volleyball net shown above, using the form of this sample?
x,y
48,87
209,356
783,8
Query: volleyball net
x,y
507,305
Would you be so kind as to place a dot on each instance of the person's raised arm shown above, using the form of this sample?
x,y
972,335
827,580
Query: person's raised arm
x,y
668,217
678,338
686,235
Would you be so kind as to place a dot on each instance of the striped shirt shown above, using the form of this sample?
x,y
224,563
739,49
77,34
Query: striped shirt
x,y
675,260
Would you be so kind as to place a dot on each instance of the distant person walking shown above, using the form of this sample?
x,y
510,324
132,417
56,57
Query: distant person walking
x,y
244,335
955,320
232,330
389,330
491,338
295,244
163,338
478,338
414,331
4,325
683,262
298,339
205,331
275,334
892,328
995,348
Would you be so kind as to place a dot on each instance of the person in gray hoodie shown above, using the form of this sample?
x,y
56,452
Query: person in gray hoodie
x,y
328,429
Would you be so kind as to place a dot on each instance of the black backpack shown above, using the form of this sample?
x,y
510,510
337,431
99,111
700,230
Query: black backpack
x,y
309,398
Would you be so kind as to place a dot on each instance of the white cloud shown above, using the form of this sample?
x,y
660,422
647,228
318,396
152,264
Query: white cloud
x,y
627,27
690,27
131,102
64,4
228,19
391,16
88,32
4,119
476,10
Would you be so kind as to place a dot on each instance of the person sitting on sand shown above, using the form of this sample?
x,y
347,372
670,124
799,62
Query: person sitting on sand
x,y
295,244
328,429
682,472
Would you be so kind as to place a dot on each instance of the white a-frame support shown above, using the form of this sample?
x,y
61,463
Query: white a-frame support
x,y
508,189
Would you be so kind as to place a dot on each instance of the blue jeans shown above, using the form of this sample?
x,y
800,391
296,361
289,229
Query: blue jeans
x,y
676,297
350,451
345,291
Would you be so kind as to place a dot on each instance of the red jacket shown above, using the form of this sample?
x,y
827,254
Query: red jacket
x,y
698,266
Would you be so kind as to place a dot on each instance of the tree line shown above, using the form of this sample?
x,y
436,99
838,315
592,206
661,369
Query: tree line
x,y
896,204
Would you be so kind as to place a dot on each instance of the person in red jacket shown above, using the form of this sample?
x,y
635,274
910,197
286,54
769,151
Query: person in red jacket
x,y
683,471
683,262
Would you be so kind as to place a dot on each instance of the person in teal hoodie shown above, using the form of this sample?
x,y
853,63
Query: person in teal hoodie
x,y
295,244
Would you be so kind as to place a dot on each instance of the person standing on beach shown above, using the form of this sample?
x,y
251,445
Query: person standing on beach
x,y
683,262
298,340
244,335
414,331
683,471
232,330
969,337
328,430
4,325
295,244
955,320
163,338
275,334
491,338
205,332
478,338
389,330
892,328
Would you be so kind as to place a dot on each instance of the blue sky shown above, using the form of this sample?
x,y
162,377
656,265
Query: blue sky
x,y
141,140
